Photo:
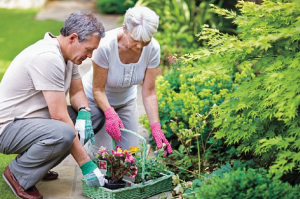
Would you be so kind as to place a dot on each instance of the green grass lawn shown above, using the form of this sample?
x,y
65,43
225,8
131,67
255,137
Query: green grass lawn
x,y
18,30
5,190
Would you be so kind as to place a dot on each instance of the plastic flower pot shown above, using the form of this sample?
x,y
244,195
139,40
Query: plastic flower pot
x,y
117,185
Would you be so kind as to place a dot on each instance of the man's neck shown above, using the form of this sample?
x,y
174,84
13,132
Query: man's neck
x,y
62,43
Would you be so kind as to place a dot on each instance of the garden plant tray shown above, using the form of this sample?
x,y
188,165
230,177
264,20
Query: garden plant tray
x,y
139,191
143,190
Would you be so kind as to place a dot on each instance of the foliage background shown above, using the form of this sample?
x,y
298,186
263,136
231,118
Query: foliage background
x,y
114,6
181,20
257,116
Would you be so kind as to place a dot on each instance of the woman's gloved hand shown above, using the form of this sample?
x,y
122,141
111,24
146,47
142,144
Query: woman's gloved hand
x,y
159,137
113,123
92,174
84,127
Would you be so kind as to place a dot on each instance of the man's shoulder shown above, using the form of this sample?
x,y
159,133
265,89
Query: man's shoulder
x,y
44,48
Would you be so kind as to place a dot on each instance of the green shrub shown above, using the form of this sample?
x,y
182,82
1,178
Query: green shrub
x,y
114,6
241,184
174,41
180,96
186,113
261,115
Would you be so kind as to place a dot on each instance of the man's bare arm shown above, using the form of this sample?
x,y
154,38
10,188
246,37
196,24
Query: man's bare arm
x,y
77,95
57,106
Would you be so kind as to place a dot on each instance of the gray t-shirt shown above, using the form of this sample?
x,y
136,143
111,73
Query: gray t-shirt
x,y
122,78
39,67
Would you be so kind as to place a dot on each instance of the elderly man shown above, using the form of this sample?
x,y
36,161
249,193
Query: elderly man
x,y
34,121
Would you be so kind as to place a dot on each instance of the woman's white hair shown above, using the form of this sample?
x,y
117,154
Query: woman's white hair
x,y
141,23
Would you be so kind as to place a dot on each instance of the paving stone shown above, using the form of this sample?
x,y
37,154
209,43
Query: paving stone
x,y
61,187
77,186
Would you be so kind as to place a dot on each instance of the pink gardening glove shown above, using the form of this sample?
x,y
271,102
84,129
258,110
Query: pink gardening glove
x,y
159,137
113,124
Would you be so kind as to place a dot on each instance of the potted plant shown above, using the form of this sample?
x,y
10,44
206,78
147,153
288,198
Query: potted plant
x,y
148,176
154,167
116,164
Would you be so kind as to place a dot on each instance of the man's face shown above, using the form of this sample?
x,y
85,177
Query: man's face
x,y
79,51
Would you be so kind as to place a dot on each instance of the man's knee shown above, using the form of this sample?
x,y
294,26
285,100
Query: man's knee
x,y
65,133
68,134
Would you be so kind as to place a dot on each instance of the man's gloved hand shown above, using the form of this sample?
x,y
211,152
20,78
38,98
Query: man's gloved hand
x,y
92,174
84,127
113,124
159,137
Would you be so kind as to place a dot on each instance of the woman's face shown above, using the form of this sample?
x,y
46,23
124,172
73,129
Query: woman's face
x,y
136,45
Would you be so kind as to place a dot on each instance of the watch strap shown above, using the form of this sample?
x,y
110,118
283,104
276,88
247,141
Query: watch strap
x,y
85,108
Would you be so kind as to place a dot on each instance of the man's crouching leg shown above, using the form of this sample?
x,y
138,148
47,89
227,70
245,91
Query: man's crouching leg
x,y
41,142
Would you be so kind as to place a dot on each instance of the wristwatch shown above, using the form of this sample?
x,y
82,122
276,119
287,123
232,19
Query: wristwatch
x,y
85,108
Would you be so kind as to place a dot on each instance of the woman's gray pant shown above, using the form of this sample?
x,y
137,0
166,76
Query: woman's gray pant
x,y
127,113
41,143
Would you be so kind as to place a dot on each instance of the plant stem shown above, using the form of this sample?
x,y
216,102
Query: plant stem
x,y
199,160
211,145
122,175
185,148
111,168
188,171
209,135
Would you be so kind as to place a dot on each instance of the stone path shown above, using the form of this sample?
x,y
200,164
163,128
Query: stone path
x,y
60,9
68,185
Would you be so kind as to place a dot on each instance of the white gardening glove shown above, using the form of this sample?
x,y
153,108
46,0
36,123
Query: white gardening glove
x,y
84,127
92,174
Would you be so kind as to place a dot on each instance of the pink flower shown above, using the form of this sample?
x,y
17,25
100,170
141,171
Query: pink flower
x,y
118,147
134,172
119,152
102,151
104,155
129,158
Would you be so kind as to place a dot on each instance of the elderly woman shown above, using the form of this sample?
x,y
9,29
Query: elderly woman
x,y
126,57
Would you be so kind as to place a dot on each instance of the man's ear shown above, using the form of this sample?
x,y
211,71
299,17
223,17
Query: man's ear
x,y
72,38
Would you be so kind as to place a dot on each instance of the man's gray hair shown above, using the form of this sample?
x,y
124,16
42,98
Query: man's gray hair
x,y
83,24
141,23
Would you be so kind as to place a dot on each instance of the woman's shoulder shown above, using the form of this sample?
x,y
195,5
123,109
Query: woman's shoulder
x,y
154,45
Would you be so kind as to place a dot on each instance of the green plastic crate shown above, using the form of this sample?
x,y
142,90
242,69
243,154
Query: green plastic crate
x,y
142,190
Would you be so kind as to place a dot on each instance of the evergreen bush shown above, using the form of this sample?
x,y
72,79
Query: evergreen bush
x,y
114,6
241,184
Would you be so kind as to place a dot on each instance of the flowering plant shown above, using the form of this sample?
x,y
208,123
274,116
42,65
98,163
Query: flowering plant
x,y
120,163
